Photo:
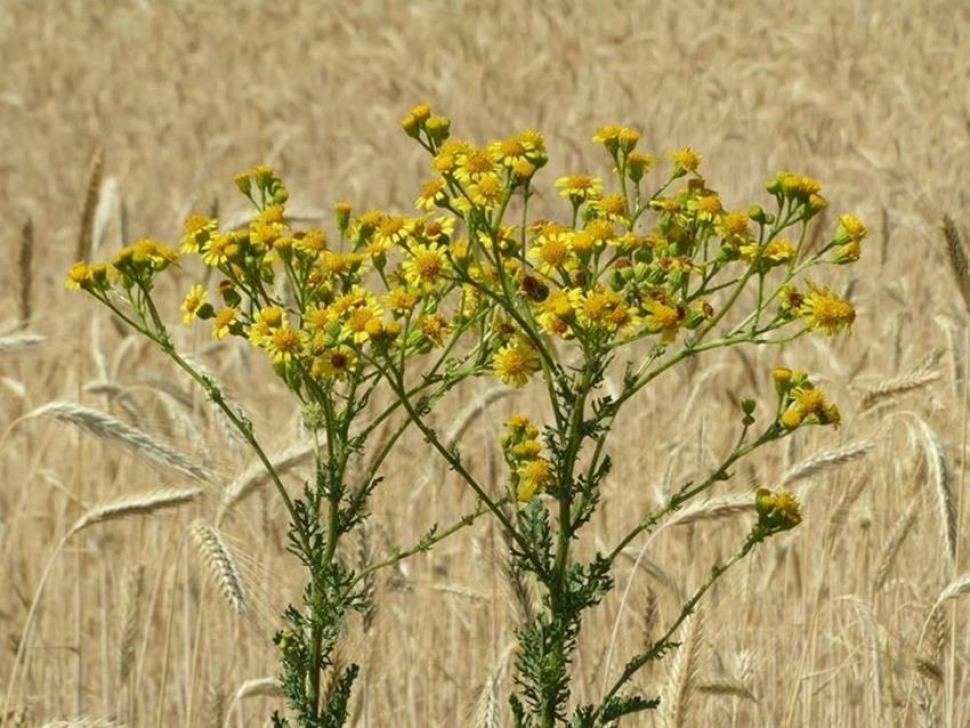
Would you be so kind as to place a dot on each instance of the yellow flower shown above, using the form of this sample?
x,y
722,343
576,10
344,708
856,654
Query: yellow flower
x,y
435,328
78,276
825,311
685,160
794,186
580,188
220,249
611,207
508,152
392,230
400,301
362,322
515,363
432,195
776,512
488,191
446,160
556,313
197,230
707,207
193,302
339,264
264,323
534,477
312,242
663,319
474,164
774,252
318,318
426,267
850,229
334,363
552,252
223,322
285,343
733,227
609,136
808,404
638,164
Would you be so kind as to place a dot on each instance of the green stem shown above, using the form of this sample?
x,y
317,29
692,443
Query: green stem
x,y
687,492
662,645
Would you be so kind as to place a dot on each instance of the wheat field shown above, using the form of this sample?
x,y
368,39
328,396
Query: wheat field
x,y
159,562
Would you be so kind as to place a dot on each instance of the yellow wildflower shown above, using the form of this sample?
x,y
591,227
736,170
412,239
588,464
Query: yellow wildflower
x,y
534,477
685,160
193,302
580,188
426,267
223,322
552,252
197,230
334,363
487,191
285,343
473,164
264,323
516,362
435,328
609,136
663,319
611,207
432,195
825,311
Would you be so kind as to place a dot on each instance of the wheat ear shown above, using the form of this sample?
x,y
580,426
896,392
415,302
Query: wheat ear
x,y
219,558
12,344
957,255
86,233
104,426
25,258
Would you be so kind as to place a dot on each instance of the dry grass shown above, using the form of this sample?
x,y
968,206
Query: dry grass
x,y
846,621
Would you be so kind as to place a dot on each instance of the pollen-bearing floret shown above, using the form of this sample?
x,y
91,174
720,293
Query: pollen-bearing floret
x,y
516,362
825,311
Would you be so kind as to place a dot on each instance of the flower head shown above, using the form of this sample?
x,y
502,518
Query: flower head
x,y
516,362
194,300
825,311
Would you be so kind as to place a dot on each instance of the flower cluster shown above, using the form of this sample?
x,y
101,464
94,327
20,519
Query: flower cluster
x,y
531,472
776,512
801,402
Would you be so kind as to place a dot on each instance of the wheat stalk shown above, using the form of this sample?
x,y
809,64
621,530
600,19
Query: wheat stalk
x,y
723,686
900,531
939,474
11,344
130,616
134,505
106,427
86,233
683,676
957,255
257,475
83,723
263,687
825,461
25,257
223,567
893,388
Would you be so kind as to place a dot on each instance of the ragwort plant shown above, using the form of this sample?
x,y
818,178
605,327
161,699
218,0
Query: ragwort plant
x,y
637,278
633,279
312,308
